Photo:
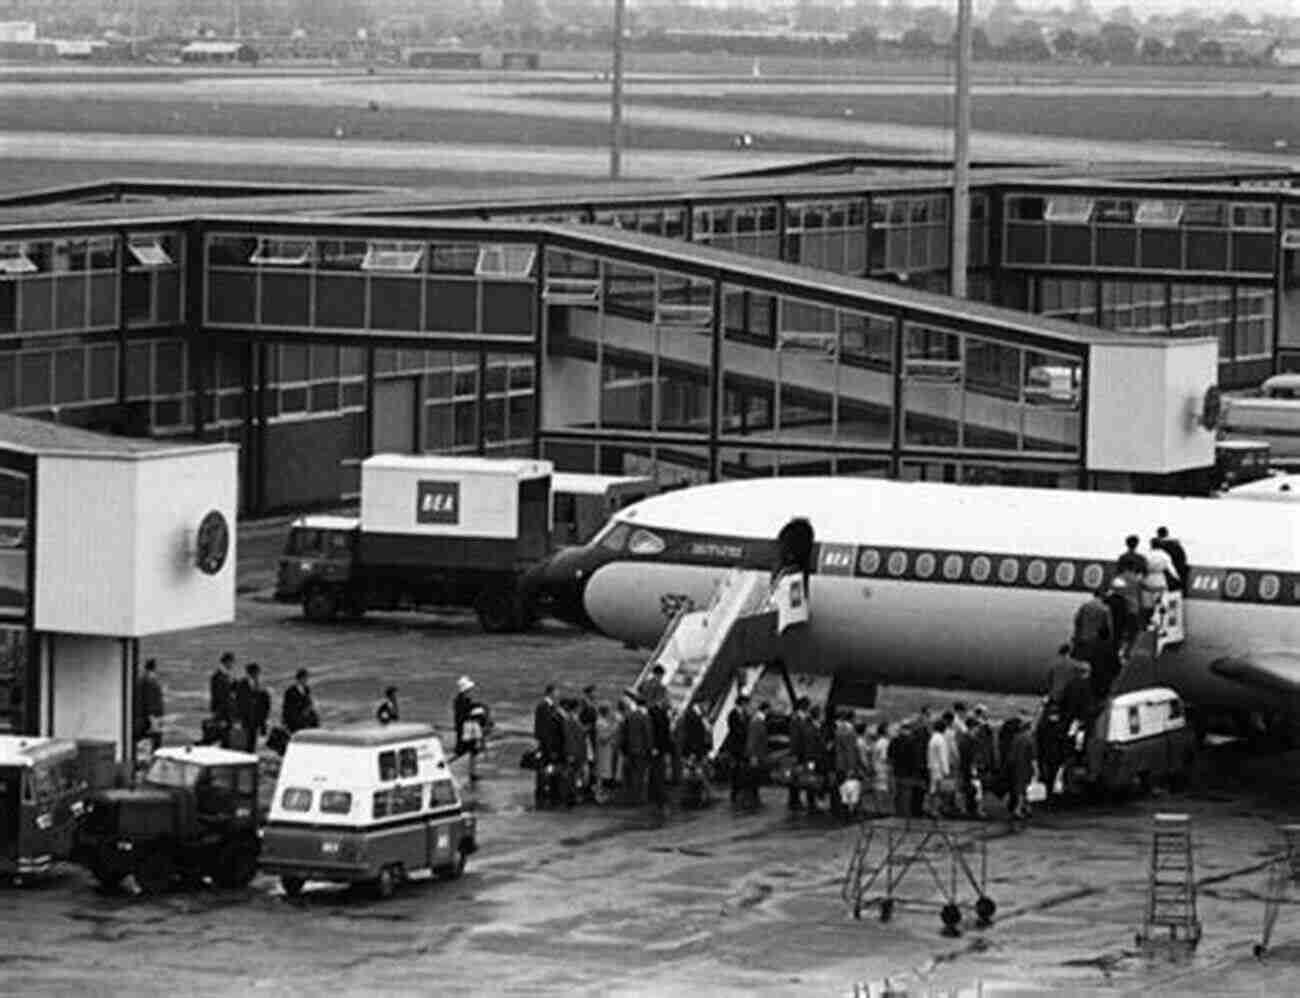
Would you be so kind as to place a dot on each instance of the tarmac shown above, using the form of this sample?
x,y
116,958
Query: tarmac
x,y
610,900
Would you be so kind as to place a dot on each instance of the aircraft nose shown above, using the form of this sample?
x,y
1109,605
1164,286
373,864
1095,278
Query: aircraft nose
x,y
558,585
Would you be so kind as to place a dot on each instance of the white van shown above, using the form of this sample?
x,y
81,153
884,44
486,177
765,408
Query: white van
x,y
1140,737
368,803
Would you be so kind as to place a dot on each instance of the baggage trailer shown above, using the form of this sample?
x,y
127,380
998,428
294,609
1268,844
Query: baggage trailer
x,y
433,532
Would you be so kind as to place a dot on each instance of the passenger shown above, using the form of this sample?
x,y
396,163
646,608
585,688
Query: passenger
x,y
252,707
298,709
821,751
221,702
652,689
733,746
148,706
548,732
638,746
979,761
606,751
804,740
756,748
958,715
386,711
1059,674
1126,608
1177,554
952,737
461,705
845,756
898,754
587,714
661,751
1160,578
1131,562
696,744
1077,700
938,769
473,738
866,762
1021,769
880,769
918,765
1093,634
575,753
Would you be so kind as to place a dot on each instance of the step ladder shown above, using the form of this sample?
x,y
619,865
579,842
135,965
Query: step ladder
x,y
1171,885
1283,872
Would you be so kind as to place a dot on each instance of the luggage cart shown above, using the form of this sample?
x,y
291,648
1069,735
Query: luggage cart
x,y
889,849
1283,872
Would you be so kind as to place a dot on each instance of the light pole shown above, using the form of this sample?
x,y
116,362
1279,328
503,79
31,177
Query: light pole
x,y
961,153
616,96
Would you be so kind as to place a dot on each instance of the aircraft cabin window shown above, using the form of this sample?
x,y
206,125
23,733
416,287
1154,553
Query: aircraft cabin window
x,y
1065,574
924,565
1234,586
1008,570
1269,586
1093,575
1036,573
980,568
869,561
897,563
952,566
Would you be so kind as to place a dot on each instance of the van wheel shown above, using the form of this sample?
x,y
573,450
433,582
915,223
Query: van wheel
x,y
292,886
385,883
497,612
154,874
236,864
320,604
108,882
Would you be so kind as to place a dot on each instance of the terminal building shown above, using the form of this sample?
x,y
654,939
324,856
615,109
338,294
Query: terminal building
x,y
789,322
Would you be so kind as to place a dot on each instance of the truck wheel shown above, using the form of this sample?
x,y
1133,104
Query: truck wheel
x,y
292,886
236,864
496,612
154,874
454,869
320,604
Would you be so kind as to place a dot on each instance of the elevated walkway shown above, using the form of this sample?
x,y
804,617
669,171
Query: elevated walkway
x,y
715,654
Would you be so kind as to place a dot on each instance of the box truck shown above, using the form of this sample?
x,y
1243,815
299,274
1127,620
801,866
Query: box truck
x,y
433,532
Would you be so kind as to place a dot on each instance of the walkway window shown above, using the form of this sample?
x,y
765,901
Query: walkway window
x,y
506,260
400,258
273,251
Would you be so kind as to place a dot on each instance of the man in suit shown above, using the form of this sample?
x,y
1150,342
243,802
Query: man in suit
x,y
548,732
148,705
733,745
638,748
804,741
298,711
661,752
1177,554
221,699
755,755
252,706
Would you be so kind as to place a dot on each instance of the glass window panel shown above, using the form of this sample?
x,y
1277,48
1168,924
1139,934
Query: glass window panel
x,y
867,340
34,375
453,258
439,428
324,397
451,306
103,372
352,361
1069,209
139,356
283,251
340,301
169,367
324,362
230,250
627,393
520,416
466,424
70,375
293,363
8,380
396,257
494,420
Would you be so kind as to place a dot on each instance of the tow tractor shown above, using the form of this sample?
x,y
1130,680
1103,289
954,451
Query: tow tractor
x,y
194,816
1140,738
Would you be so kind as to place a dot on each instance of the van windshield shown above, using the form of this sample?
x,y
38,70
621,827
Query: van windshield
x,y
309,542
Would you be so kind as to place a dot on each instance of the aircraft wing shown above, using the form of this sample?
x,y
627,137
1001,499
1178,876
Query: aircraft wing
x,y
1277,672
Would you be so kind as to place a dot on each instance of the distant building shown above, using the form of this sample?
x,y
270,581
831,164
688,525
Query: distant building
x,y
444,59
1287,53
218,52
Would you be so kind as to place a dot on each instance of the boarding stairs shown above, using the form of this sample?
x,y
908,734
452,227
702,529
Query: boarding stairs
x,y
714,654
1167,630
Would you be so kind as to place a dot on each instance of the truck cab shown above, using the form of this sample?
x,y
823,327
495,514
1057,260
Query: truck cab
x,y
318,555
366,804
193,816
43,789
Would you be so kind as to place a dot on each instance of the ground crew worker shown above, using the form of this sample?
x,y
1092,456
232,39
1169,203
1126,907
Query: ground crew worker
x,y
252,706
1020,769
661,751
298,710
1177,554
221,702
548,733
638,744
733,746
575,752
461,705
386,712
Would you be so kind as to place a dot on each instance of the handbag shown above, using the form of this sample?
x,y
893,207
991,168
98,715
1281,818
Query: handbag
x,y
529,759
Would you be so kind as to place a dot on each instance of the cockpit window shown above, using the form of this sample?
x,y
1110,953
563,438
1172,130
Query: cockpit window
x,y
614,536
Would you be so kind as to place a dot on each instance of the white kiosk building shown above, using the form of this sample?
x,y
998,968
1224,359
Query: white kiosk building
x,y
103,540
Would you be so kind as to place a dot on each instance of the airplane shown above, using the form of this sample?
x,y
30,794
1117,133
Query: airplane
x,y
953,586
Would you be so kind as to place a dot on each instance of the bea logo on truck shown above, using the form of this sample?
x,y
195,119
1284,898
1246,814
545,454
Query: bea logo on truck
x,y
437,502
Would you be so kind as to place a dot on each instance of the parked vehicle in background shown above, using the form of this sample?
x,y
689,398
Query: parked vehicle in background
x,y
1272,417
366,804
44,783
445,532
194,816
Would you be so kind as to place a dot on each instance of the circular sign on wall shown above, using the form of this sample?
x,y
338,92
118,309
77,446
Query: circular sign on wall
x,y
213,543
